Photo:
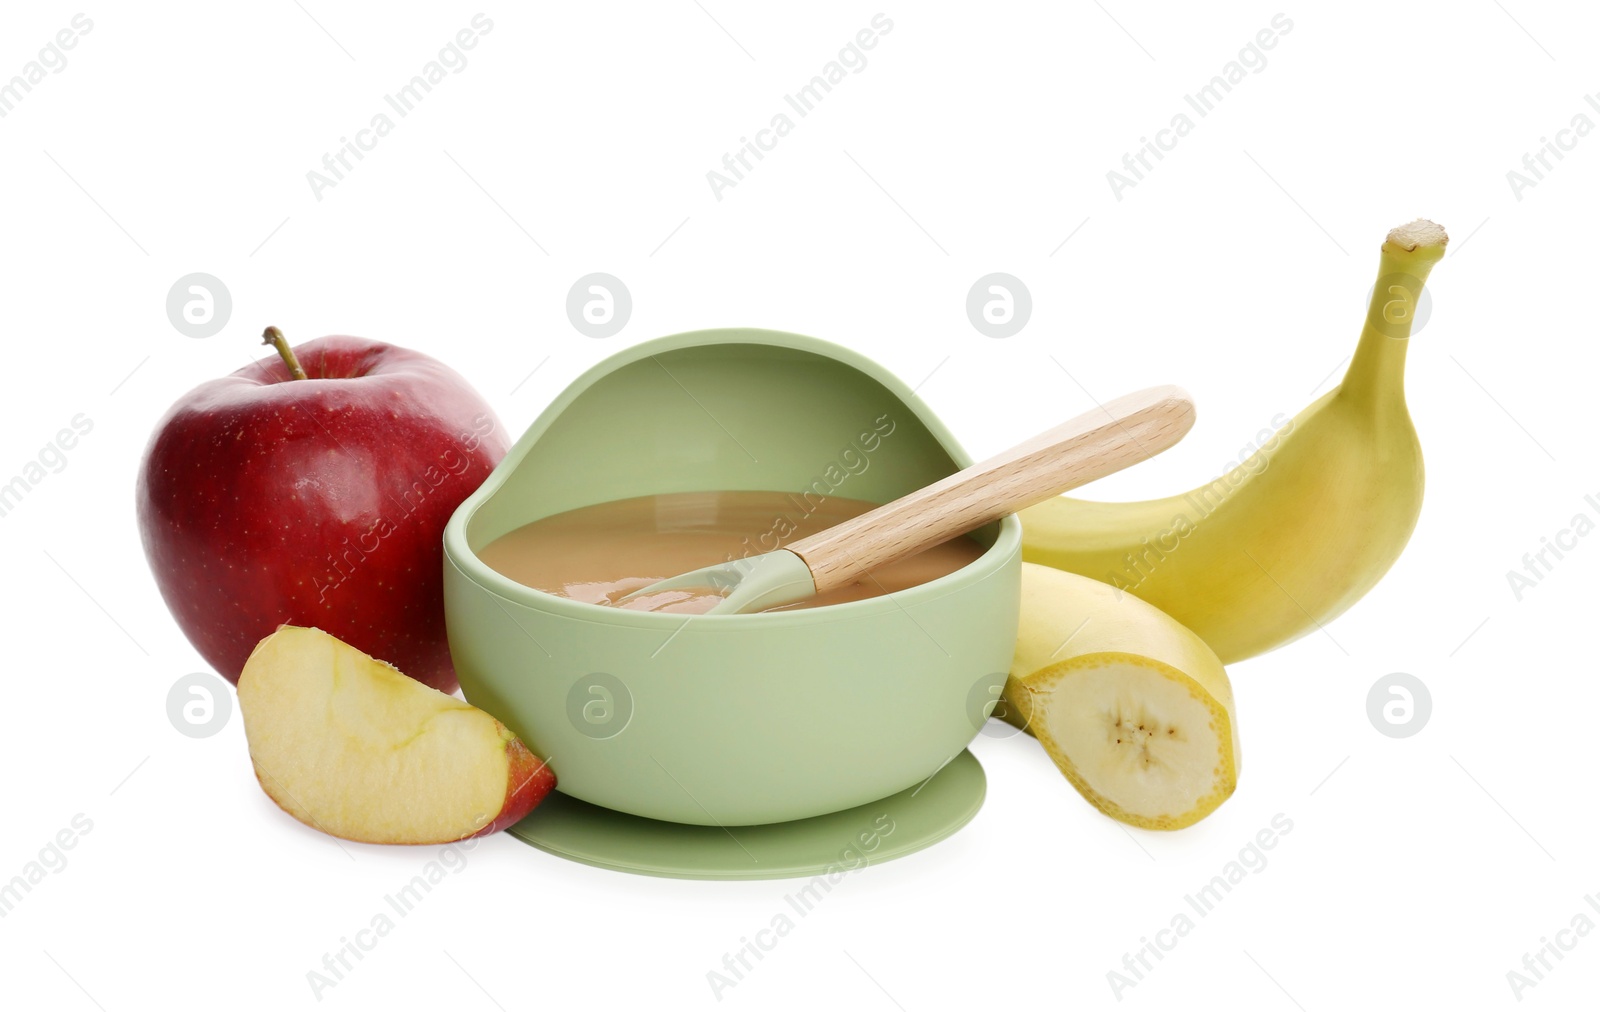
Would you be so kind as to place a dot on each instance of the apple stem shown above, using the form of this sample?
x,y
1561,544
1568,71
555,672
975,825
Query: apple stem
x,y
274,337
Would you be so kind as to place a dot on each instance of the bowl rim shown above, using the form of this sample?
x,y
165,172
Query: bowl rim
x,y
460,556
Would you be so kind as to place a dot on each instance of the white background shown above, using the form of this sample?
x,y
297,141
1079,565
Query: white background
x,y
1418,872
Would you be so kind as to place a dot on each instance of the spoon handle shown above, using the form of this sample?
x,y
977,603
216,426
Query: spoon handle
x,y
1097,443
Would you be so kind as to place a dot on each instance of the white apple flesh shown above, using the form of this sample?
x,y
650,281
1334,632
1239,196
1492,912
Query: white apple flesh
x,y
351,746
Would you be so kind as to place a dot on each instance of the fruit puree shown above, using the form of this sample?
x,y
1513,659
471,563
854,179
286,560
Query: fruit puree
x,y
600,553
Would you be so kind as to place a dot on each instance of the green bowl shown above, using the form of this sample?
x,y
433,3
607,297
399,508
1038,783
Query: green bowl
x,y
728,720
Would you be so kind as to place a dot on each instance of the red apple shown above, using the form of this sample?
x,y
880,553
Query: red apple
x,y
313,488
350,746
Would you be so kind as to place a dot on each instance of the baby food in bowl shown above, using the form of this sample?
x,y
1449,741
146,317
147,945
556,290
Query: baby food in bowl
x,y
601,553
726,720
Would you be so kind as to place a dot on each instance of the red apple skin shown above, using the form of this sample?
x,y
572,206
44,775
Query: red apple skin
x,y
266,500
528,780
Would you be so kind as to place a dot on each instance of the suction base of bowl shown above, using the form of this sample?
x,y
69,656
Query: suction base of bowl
x,y
901,824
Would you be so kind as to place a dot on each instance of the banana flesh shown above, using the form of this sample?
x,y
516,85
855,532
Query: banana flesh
x,y
1134,709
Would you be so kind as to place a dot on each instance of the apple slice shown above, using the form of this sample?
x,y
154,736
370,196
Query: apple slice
x,y
349,745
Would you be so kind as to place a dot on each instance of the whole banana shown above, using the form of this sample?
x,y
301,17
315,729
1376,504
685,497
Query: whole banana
x,y
1301,530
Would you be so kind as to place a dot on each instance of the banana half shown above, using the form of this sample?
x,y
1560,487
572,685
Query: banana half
x,y
1134,709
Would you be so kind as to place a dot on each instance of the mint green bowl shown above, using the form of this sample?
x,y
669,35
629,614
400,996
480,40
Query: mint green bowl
x,y
730,719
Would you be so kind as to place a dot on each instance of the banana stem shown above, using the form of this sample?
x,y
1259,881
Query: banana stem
x,y
1377,370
